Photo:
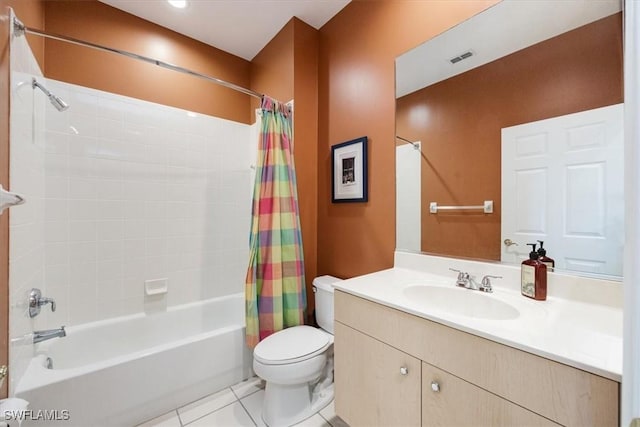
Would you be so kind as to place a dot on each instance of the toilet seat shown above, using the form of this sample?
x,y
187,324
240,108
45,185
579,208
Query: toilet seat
x,y
292,345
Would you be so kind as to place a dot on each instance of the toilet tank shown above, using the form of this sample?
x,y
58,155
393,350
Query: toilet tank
x,y
323,291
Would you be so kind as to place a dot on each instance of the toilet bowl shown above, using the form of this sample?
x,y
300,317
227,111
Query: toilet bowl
x,y
297,364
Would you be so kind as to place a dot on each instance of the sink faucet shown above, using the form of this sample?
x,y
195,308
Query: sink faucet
x,y
39,336
467,281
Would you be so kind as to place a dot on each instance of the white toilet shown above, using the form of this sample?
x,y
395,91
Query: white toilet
x,y
297,364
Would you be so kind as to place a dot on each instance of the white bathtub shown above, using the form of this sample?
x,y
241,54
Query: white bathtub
x,y
123,371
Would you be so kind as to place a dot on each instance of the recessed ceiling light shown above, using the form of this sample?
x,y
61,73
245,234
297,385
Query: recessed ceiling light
x,y
180,4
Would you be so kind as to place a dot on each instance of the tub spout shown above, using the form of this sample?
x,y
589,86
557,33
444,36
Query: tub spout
x,y
39,336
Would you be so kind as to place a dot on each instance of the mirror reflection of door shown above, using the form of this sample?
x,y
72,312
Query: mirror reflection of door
x,y
408,199
524,68
562,183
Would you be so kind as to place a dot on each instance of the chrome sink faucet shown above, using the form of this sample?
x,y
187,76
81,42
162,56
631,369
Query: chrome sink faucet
x,y
39,336
467,281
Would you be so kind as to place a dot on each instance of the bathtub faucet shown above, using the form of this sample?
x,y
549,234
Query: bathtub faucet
x,y
39,336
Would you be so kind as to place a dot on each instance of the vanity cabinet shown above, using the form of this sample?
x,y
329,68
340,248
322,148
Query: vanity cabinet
x,y
381,382
450,401
479,381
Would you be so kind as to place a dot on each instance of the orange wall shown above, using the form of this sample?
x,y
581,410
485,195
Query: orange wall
x,y
272,67
96,22
305,90
357,97
576,71
31,13
286,68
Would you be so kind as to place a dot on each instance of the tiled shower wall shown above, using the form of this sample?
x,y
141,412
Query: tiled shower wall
x,y
120,191
137,191
26,250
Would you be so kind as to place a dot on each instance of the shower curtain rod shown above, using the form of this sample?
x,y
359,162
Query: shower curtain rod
x,y
21,29
406,140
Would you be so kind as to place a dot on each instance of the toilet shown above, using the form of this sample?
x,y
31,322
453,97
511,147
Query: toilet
x,y
297,364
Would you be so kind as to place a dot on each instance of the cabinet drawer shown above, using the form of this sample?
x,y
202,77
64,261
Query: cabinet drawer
x,y
456,402
556,391
370,388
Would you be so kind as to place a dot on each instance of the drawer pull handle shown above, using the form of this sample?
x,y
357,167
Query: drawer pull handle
x,y
404,370
435,387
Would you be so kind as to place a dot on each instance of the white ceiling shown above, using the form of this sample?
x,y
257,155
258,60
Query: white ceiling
x,y
507,27
240,27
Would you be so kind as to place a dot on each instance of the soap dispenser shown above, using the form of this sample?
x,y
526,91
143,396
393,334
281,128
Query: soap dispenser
x,y
543,258
533,276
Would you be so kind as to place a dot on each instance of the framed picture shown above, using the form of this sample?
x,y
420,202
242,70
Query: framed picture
x,y
349,165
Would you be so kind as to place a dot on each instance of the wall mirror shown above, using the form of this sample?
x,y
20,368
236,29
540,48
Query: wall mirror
x,y
509,132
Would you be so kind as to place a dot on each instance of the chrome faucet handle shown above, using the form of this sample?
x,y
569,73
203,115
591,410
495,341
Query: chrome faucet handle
x,y
463,278
485,285
36,301
45,301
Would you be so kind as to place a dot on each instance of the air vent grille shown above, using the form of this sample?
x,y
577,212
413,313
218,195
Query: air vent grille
x,y
461,57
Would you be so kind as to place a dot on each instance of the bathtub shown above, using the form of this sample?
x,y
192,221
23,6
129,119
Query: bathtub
x,y
122,371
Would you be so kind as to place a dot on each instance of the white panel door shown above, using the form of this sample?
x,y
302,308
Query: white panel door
x,y
562,183
408,197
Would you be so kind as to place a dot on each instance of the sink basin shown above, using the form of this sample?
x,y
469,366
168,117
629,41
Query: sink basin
x,y
461,302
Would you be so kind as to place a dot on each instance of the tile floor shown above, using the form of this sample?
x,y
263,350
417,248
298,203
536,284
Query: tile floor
x,y
236,406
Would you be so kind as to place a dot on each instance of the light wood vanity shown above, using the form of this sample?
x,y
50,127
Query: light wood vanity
x,y
397,369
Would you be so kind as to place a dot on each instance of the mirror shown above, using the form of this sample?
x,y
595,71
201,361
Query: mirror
x,y
509,131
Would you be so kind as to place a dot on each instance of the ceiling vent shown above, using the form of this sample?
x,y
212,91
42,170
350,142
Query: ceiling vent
x,y
461,57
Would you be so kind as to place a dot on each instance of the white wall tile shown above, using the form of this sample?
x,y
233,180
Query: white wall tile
x,y
82,252
56,231
82,231
27,256
109,269
82,276
82,145
56,165
56,187
82,210
109,189
84,124
81,166
110,250
109,209
56,253
82,188
110,230
126,191
56,142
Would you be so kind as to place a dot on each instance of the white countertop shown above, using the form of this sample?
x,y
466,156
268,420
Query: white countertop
x,y
581,334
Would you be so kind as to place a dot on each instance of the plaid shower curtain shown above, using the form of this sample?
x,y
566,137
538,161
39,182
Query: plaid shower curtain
x,y
274,286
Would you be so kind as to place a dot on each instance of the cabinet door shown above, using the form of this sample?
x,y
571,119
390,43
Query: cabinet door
x,y
375,384
450,401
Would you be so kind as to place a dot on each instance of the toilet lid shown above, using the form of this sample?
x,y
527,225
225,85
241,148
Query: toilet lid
x,y
291,345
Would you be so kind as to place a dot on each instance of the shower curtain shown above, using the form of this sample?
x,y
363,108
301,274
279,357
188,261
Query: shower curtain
x,y
274,285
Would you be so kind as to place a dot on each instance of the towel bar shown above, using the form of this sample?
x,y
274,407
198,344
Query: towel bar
x,y
487,207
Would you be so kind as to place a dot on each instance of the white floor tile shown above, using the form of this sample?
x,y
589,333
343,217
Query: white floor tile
x,y
206,405
232,415
167,420
329,414
314,421
253,405
248,387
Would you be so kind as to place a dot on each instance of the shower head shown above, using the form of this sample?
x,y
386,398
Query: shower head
x,y
56,101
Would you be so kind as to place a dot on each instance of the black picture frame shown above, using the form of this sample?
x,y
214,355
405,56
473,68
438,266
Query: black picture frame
x,y
349,174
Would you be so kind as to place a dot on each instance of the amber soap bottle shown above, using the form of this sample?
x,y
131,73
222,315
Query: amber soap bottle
x,y
543,258
533,276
